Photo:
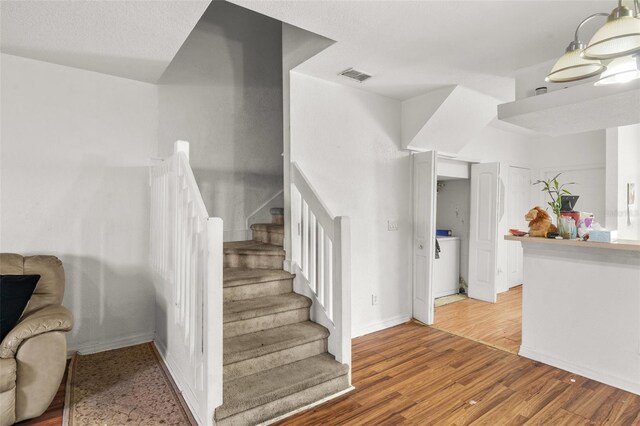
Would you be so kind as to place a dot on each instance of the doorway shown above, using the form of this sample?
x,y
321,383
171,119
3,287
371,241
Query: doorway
x,y
462,268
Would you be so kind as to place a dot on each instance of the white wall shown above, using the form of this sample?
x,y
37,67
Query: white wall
x,y
223,94
581,158
298,45
347,143
75,151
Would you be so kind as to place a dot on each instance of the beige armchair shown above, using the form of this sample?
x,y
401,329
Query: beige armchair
x,y
33,355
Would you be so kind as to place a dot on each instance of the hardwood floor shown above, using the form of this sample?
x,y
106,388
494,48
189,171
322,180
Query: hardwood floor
x,y
495,324
416,375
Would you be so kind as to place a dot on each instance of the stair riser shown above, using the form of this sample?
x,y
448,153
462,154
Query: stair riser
x,y
278,219
236,328
287,404
250,291
275,238
253,261
273,360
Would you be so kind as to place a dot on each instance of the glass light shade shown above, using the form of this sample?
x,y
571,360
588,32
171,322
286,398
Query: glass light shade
x,y
572,67
618,37
620,70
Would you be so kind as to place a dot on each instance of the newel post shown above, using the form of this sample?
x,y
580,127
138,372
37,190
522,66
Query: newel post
x,y
181,146
342,286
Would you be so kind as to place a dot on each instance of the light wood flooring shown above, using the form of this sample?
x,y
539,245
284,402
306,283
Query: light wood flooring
x,y
495,324
417,375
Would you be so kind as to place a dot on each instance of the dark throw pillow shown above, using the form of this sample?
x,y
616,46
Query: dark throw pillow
x,y
15,292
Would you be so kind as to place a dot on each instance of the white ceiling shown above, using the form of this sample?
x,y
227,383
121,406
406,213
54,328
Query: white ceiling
x,y
410,46
132,39
416,46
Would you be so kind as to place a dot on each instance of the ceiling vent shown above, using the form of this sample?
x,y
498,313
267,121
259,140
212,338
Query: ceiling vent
x,y
356,75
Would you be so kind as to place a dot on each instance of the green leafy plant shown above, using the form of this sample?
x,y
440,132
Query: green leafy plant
x,y
555,190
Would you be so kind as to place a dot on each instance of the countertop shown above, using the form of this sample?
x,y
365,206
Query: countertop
x,y
628,245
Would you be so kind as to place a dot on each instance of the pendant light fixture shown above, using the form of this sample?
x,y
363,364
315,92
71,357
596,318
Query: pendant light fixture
x,y
621,70
620,36
572,66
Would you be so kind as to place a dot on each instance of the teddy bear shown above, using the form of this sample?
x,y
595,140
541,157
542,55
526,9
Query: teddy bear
x,y
539,222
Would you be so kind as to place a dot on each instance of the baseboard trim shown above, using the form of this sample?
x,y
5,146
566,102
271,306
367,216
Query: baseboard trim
x,y
170,366
308,407
608,379
121,342
381,325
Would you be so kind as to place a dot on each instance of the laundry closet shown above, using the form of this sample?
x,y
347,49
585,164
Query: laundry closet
x,y
453,197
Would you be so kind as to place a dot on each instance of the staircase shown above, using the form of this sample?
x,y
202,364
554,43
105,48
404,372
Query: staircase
x,y
275,358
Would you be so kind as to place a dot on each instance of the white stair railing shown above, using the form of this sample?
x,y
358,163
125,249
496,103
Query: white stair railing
x,y
187,260
320,258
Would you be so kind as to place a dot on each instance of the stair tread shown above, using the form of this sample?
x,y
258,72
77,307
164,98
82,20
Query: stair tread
x,y
238,310
252,247
274,228
252,345
261,388
242,276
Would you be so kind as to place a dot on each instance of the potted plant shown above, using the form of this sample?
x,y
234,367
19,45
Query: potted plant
x,y
555,190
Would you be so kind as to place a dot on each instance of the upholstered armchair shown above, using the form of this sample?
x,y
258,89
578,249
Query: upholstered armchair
x,y
33,355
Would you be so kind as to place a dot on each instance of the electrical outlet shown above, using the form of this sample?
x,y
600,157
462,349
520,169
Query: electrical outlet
x,y
374,299
392,225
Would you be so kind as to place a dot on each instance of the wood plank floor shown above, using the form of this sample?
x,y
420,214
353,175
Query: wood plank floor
x,y
495,324
417,375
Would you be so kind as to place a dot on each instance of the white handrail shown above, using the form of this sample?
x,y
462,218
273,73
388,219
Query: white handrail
x,y
321,250
186,257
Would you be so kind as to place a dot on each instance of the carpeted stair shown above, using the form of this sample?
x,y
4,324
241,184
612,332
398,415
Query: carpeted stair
x,y
275,358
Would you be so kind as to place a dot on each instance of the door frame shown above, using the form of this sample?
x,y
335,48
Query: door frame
x,y
429,291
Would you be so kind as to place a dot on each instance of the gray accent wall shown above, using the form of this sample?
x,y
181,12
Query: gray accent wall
x,y
223,94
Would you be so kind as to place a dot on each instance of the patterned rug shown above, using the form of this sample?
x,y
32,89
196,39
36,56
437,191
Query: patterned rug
x,y
127,386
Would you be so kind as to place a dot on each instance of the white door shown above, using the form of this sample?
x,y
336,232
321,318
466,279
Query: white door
x,y
424,231
483,232
518,203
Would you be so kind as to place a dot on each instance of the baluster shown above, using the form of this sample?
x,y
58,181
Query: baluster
x,y
188,266
305,239
296,230
312,252
329,278
320,278
178,260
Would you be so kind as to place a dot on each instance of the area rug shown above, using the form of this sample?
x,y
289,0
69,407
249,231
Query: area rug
x,y
441,301
127,386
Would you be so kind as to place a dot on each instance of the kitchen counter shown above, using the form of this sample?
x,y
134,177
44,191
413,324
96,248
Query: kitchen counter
x,y
628,245
581,308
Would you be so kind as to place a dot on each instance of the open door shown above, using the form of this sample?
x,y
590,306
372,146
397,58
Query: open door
x,y
424,234
483,232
